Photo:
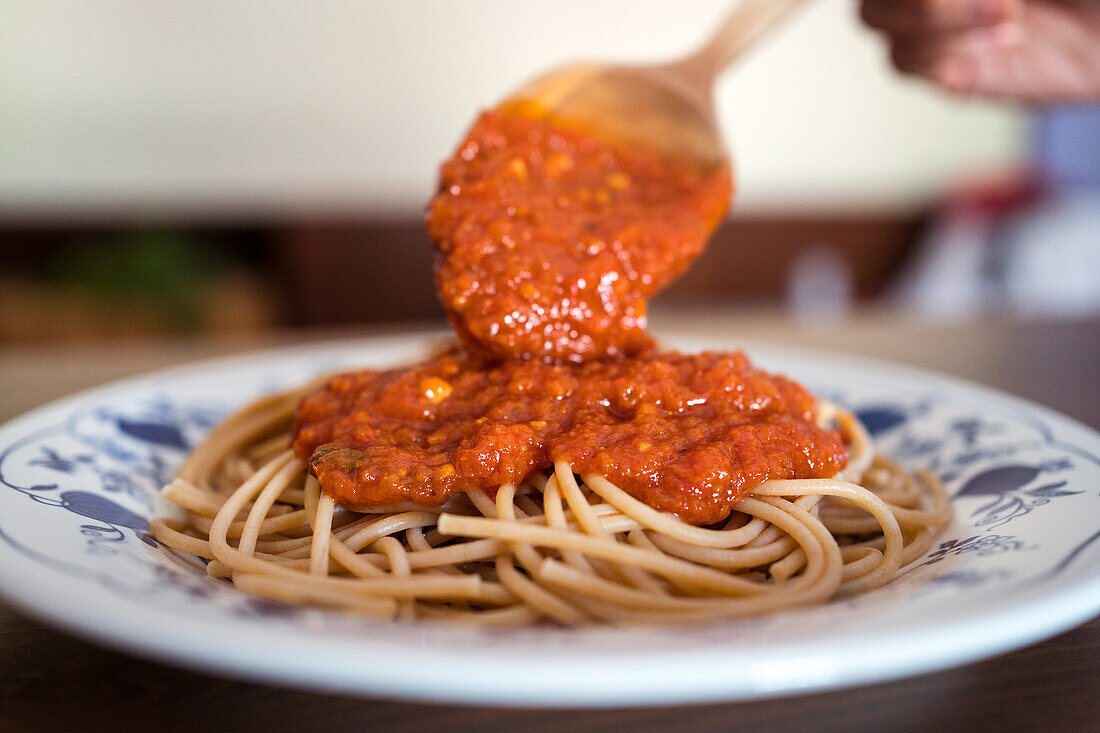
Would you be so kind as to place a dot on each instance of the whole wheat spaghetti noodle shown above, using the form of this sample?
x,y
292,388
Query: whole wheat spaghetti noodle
x,y
558,548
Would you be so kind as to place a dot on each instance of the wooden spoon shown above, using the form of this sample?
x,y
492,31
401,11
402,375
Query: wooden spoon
x,y
668,107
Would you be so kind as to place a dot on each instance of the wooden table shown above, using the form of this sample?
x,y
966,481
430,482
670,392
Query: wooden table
x,y
49,681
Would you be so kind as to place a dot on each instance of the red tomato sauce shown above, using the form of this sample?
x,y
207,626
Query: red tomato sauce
x,y
687,434
550,241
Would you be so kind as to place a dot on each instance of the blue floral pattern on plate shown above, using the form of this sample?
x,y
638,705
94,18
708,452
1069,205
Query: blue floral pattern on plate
x,y
79,483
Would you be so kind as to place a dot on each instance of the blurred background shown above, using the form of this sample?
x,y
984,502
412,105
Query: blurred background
x,y
229,167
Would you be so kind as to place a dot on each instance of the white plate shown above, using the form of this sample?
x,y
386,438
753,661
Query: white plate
x,y
1020,562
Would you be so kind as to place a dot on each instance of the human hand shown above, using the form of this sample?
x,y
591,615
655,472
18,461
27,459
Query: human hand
x,y
1027,50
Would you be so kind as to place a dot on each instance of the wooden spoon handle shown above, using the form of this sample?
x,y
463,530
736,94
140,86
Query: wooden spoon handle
x,y
746,24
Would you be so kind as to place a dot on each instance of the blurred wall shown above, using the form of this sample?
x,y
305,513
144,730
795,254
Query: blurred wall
x,y
211,110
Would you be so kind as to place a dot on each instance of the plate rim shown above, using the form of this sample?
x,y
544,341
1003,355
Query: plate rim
x,y
1021,614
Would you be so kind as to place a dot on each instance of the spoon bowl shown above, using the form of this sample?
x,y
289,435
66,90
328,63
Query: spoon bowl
x,y
666,107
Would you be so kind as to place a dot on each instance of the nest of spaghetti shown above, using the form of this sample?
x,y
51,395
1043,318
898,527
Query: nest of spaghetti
x,y
560,548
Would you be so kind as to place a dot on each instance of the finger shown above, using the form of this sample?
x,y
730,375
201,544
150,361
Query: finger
x,y
936,16
972,62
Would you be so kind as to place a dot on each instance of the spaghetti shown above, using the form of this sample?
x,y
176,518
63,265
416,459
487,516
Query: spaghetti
x,y
553,548
558,467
